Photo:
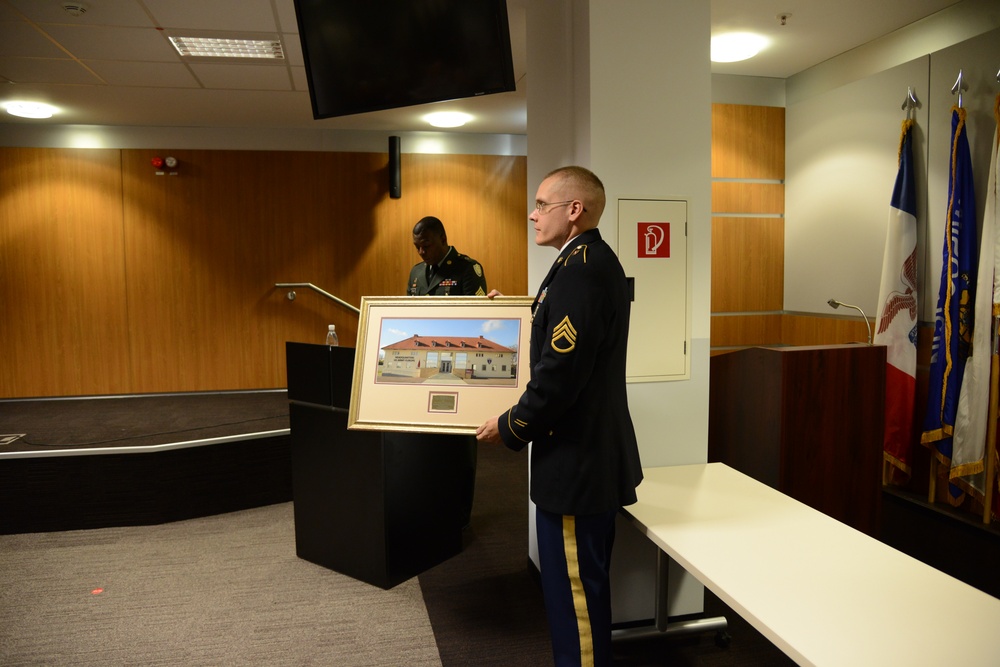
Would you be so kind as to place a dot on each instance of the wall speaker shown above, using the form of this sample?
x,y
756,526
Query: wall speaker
x,y
395,183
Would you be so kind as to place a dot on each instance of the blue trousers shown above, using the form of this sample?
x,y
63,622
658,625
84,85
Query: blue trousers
x,y
574,554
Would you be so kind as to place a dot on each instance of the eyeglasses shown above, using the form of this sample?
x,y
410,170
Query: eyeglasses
x,y
541,206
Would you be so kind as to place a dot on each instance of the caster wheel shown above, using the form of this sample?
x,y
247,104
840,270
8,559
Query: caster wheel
x,y
723,639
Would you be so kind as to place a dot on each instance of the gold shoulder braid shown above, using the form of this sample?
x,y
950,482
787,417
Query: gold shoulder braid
x,y
579,251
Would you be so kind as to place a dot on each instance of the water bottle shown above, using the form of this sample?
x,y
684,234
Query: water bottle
x,y
331,336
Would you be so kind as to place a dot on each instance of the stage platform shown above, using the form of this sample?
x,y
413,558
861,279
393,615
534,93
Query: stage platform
x,y
93,462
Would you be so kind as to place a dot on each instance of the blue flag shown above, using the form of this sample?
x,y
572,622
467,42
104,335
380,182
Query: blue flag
x,y
956,299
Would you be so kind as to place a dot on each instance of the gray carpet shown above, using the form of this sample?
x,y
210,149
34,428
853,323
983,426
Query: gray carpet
x,y
222,590
229,590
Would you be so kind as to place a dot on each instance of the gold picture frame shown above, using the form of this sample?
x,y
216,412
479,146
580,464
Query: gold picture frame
x,y
438,364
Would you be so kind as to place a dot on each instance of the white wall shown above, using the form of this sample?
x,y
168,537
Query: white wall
x,y
841,146
624,88
751,90
840,166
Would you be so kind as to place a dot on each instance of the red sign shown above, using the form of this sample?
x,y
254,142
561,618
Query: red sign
x,y
654,239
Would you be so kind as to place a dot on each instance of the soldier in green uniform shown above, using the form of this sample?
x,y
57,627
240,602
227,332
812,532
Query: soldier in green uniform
x,y
444,271
447,272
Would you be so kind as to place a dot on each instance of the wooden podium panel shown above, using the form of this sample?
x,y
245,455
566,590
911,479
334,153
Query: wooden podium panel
x,y
378,507
807,421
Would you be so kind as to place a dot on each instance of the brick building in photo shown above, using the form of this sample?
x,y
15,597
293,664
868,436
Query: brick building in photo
x,y
464,357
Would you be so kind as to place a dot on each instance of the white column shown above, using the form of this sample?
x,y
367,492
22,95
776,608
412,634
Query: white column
x,y
623,87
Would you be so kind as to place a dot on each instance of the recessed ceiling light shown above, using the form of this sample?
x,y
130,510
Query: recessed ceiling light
x,y
447,118
735,46
30,109
211,47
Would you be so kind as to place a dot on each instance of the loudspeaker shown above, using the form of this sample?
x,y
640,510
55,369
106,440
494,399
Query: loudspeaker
x,y
395,183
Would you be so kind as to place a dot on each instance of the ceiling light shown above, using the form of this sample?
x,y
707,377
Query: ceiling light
x,y
736,46
447,118
211,47
30,109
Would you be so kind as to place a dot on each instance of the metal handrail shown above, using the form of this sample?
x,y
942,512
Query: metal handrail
x,y
291,295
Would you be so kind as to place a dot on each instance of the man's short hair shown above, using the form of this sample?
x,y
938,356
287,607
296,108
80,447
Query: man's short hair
x,y
586,182
429,224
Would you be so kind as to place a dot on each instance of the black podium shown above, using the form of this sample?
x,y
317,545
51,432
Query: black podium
x,y
380,507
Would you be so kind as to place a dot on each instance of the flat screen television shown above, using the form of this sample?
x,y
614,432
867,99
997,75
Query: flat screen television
x,y
368,55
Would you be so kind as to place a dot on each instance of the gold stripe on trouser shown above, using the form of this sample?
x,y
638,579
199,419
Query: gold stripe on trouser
x,y
579,597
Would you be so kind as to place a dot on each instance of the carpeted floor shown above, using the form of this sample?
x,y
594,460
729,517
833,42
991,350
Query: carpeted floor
x,y
484,604
229,589
222,590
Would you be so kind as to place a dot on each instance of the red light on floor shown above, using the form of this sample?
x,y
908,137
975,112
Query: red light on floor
x,y
97,591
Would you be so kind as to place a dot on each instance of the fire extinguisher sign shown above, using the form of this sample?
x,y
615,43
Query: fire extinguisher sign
x,y
654,239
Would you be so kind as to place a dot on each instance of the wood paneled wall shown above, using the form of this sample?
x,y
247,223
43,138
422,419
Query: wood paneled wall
x,y
748,232
62,272
115,280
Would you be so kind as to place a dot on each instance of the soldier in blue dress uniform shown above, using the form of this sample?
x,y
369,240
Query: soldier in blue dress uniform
x,y
574,412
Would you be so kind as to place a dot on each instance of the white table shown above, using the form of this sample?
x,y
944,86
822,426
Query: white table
x,y
822,592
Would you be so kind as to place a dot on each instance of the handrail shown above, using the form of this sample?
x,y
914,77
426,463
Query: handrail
x,y
291,295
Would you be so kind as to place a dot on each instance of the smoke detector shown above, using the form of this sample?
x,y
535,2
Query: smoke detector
x,y
75,9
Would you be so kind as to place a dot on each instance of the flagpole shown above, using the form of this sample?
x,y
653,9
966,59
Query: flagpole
x,y
932,481
991,426
994,400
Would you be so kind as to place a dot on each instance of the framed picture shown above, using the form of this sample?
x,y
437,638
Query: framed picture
x,y
438,364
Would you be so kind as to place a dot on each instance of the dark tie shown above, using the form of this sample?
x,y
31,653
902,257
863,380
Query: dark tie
x,y
430,273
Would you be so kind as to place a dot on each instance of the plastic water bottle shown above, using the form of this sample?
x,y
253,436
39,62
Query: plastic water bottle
x,y
331,336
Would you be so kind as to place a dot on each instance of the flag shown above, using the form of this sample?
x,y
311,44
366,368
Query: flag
x,y
896,323
968,463
956,300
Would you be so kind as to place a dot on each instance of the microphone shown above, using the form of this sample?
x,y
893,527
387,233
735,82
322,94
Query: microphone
x,y
837,304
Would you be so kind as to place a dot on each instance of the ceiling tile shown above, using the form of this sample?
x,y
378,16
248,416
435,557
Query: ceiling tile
x,y
42,70
100,12
286,16
293,49
245,15
159,75
243,77
299,78
8,14
21,39
102,43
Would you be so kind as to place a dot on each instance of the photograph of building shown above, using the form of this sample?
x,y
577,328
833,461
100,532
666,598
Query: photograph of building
x,y
446,359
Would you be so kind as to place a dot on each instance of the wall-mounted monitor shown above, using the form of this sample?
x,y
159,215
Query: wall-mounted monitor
x,y
368,55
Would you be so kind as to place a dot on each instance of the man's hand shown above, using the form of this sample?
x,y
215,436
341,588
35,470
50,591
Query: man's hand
x,y
493,293
489,432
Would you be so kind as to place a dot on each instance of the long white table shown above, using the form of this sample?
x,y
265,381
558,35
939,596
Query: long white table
x,y
821,591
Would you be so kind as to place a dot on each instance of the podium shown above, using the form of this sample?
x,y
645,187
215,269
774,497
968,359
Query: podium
x,y
380,507
806,421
